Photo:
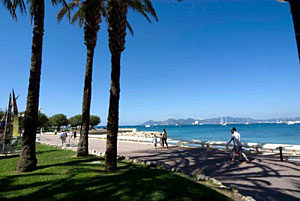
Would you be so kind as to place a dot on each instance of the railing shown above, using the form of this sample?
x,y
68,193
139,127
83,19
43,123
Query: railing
x,y
10,145
258,147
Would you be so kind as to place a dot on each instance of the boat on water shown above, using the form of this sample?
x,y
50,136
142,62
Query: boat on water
x,y
247,122
290,123
222,122
147,126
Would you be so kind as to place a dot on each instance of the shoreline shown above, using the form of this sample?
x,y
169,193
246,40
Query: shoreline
x,y
146,137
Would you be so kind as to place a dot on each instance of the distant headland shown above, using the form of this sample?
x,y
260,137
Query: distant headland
x,y
222,121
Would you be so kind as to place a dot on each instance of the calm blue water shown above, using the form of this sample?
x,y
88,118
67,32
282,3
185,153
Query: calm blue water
x,y
261,133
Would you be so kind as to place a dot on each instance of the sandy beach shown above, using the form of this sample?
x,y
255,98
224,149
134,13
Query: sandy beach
x,y
265,178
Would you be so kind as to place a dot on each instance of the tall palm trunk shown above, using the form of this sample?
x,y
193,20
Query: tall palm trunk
x,y
117,13
295,10
91,28
28,161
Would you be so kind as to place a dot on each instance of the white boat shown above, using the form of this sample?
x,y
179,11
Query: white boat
x,y
222,122
247,122
290,122
147,126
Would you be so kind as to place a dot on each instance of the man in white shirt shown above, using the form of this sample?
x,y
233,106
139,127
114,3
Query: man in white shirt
x,y
237,145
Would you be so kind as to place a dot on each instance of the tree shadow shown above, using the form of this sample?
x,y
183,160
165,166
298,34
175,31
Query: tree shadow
x,y
130,182
265,178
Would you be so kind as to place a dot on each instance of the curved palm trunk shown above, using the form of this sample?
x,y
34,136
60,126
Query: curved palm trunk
x,y
117,13
28,161
91,29
295,10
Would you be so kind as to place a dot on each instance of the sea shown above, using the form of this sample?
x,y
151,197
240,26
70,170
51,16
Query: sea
x,y
259,133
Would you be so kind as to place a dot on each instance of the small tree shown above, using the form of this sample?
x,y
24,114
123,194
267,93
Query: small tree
x,y
58,120
75,120
42,120
94,120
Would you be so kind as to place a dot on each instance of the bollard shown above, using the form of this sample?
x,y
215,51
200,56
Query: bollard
x,y
280,151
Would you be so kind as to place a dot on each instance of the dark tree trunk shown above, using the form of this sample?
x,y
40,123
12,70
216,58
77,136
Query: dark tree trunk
x,y
28,161
295,10
117,13
91,29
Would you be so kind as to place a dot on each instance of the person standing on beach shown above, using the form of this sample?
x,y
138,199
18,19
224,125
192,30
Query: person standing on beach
x,y
164,134
155,141
237,145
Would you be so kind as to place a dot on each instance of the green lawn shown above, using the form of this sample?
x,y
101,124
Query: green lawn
x,y
61,176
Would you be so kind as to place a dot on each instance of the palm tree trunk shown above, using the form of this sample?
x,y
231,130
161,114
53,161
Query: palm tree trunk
x,y
113,115
117,13
91,28
295,10
28,161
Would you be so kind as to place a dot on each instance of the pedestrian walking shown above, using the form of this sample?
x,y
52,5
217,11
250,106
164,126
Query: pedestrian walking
x,y
164,134
237,145
155,141
63,137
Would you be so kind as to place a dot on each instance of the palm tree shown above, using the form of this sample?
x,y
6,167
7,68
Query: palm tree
x,y
89,12
117,23
27,161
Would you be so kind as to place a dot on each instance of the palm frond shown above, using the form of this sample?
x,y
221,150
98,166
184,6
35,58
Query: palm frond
x,y
31,8
11,6
150,9
144,7
19,4
129,27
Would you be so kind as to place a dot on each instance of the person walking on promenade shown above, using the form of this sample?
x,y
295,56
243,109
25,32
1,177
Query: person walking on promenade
x,y
155,141
164,134
237,145
63,137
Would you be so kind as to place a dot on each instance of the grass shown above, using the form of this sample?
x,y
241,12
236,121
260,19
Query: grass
x,y
61,176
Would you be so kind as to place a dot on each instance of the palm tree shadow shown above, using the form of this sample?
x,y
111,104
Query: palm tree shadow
x,y
257,178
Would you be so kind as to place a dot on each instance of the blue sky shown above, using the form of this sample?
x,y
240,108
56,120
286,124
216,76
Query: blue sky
x,y
201,59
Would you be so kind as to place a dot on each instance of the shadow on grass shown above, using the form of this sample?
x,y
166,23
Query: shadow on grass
x,y
9,156
130,183
81,179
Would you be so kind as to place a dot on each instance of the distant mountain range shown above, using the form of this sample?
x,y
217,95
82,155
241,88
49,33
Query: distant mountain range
x,y
229,120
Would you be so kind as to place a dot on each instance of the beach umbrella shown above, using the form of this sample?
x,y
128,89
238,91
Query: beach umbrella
x,y
295,10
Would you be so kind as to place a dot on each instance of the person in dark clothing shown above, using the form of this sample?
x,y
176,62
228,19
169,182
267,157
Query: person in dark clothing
x,y
74,134
164,134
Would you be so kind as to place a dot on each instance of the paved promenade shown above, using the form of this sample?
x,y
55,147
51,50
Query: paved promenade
x,y
266,178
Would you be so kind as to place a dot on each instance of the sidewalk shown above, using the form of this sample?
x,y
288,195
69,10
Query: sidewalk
x,y
266,178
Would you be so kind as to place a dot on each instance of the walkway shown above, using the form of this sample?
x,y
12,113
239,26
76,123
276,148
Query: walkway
x,y
266,178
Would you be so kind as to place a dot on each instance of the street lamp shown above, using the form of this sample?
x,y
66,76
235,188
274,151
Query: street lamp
x,y
295,10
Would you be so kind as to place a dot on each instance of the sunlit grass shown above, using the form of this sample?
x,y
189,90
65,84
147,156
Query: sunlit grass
x,y
62,176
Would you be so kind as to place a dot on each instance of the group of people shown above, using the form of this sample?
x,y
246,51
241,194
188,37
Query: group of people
x,y
235,138
162,139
